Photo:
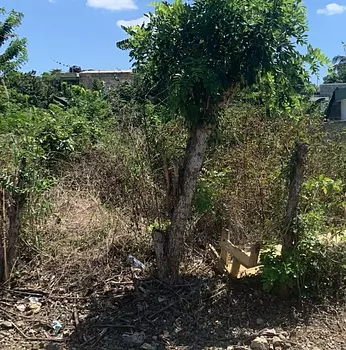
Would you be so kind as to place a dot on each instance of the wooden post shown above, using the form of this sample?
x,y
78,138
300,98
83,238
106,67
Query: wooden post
x,y
235,268
297,165
225,259
255,250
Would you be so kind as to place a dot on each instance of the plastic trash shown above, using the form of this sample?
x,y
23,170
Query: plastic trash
x,y
135,262
35,307
56,326
34,304
21,307
34,300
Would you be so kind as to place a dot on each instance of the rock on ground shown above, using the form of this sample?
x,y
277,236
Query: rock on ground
x,y
259,343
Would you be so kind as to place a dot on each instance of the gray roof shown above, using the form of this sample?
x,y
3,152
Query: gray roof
x,y
106,71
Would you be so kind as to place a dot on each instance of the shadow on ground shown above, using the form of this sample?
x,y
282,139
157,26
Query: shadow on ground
x,y
200,313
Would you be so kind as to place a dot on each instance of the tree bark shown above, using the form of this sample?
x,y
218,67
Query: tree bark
x,y
297,167
169,244
11,223
5,88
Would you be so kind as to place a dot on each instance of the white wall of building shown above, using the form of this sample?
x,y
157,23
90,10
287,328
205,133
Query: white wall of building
x,y
343,110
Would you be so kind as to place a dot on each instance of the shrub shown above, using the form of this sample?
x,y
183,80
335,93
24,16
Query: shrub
x,y
317,266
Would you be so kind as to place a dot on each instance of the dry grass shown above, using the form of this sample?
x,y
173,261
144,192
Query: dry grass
x,y
80,220
100,211
83,241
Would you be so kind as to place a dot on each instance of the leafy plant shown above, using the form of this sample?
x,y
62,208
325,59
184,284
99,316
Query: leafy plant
x,y
14,54
192,57
309,270
209,186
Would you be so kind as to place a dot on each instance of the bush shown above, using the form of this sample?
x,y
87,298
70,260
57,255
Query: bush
x,y
317,266
315,270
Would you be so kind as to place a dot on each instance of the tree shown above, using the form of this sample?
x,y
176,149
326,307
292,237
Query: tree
x,y
14,49
192,57
340,60
32,89
337,73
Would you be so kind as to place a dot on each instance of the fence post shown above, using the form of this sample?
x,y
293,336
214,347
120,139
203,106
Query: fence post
x,y
296,177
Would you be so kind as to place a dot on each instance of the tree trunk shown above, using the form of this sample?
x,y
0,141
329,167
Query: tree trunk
x,y
297,166
169,245
5,89
11,209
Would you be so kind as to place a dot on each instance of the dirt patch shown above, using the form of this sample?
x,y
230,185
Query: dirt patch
x,y
81,279
201,313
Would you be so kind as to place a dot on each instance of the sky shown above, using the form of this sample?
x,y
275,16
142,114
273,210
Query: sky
x,y
84,32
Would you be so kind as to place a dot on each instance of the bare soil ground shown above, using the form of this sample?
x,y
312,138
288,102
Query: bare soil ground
x,y
123,312
81,279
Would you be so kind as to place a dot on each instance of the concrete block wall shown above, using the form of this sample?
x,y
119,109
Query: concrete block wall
x,y
110,78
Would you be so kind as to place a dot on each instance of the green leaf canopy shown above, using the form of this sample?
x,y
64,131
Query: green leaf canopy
x,y
193,56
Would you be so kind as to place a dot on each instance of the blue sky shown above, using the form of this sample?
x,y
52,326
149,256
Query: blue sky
x,y
84,32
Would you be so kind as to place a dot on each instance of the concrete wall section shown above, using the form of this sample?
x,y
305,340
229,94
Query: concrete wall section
x,y
110,78
343,110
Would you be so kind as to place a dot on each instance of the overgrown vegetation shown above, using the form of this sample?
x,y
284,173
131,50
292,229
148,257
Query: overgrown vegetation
x,y
106,169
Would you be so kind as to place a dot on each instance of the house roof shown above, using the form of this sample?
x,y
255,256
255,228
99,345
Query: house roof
x,y
340,94
317,98
106,71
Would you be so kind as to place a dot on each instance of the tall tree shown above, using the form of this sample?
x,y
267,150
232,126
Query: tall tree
x,y
13,48
337,73
32,89
193,56
340,60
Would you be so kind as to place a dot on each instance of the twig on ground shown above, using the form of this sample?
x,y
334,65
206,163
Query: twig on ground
x,y
102,334
58,340
77,323
8,312
162,310
26,292
106,325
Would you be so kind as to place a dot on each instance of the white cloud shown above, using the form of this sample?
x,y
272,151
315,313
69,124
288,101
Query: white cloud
x,y
113,5
332,9
132,22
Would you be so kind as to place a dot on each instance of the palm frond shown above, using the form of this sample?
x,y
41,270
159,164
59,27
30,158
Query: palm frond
x,y
340,59
123,44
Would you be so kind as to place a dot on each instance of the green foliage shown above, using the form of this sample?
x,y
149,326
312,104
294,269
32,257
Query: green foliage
x,y
48,135
335,75
62,135
81,101
337,72
191,57
37,127
278,272
316,268
98,85
123,104
28,89
209,188
14,52
160,225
